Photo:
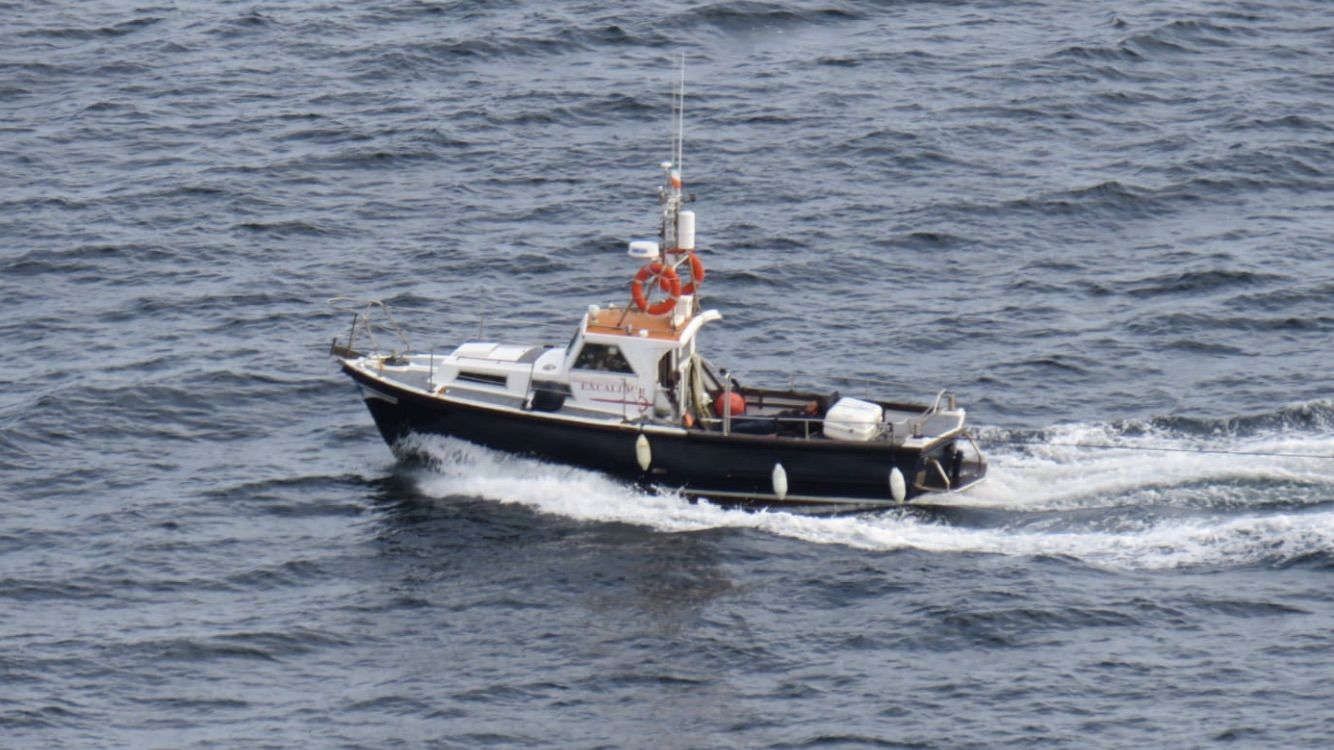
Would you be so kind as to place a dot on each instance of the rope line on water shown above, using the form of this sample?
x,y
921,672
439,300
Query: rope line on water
x,y
1212,451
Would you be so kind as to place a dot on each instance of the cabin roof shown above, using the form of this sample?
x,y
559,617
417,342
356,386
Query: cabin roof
x,y
619,321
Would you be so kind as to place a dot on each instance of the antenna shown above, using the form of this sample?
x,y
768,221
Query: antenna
x,y
679,110
681,114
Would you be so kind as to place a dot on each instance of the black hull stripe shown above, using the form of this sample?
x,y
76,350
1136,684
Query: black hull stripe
x,y
695,462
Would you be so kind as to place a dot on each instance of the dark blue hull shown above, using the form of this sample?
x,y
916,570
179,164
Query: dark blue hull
x,y
726,468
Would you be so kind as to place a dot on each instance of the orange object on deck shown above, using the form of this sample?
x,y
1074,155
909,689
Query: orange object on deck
x,y
738,404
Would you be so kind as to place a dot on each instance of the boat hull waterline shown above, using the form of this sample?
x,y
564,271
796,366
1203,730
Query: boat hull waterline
x,y
724,468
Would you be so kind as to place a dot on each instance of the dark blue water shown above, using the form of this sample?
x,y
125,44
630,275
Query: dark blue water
x,y
1096,224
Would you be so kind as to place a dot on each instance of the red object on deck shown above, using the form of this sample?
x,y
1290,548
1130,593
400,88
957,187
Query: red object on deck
x,y
738,404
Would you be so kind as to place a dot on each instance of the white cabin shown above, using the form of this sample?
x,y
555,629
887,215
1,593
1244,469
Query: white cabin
x,y
621,362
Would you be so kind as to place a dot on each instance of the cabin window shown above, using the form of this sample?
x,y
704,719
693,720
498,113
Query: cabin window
x,y
602,357
482,378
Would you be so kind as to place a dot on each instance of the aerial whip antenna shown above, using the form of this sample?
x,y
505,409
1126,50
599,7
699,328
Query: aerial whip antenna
x,y
679,149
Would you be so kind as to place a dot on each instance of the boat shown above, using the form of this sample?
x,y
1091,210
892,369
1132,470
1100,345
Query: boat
x,y
632,395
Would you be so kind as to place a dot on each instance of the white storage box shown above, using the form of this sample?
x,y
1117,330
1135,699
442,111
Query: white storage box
x,y
853,419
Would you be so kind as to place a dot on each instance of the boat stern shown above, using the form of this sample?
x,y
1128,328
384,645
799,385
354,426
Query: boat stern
x,y
953,466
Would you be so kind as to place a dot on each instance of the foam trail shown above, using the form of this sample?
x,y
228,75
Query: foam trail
x,y
462,469
1054,475
1210,542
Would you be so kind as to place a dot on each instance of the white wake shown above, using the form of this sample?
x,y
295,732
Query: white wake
x,y
1239,510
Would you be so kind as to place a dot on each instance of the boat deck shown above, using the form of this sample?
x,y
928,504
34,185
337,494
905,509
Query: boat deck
x,y
768,413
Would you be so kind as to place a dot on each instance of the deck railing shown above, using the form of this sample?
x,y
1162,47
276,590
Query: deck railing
x,y
368,317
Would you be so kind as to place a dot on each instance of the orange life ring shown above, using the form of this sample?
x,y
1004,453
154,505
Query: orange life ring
x,y
696,274
668,281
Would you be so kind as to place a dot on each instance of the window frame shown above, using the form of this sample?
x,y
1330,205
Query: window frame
x,y
608,351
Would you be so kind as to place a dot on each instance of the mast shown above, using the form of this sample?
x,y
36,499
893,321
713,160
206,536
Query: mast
x,y
676,235
663,260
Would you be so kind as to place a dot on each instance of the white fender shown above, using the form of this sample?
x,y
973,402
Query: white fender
x,y
897,487
780,481
643,453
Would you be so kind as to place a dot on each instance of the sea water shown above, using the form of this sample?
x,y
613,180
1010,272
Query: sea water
x,y
1098,225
